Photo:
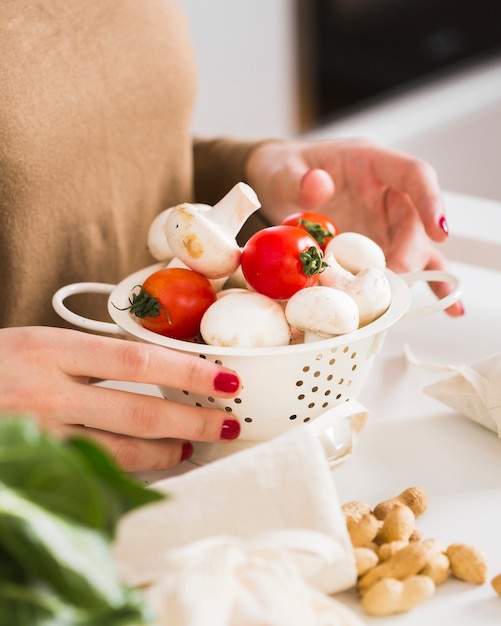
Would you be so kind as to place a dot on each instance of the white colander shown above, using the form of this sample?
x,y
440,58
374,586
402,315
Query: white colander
x,y
281,386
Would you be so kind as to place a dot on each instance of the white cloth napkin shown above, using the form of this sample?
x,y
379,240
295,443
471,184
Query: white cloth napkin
x,y
472,390
255,538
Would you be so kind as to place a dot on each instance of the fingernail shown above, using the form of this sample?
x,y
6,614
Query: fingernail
x,y
226,382
187,450
230,429
442,222
460,306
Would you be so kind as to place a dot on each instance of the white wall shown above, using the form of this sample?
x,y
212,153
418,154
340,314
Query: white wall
x,y
245,59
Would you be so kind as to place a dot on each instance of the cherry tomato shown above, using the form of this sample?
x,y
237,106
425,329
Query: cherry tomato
x,y
172,301
319,226
280,260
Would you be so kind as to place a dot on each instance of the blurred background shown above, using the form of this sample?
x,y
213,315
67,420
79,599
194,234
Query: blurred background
x,y
420,75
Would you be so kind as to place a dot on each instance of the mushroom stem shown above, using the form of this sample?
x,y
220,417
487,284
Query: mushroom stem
x,y
371,291
334,275
322,312
234,208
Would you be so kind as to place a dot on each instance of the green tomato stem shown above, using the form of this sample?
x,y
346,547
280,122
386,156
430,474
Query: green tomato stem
x,y
312,260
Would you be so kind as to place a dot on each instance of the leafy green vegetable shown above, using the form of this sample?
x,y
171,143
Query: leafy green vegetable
x,y
75,478
59,506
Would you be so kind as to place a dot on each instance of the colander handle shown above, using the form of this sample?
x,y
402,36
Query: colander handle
x,y
431,276
338,429
78,320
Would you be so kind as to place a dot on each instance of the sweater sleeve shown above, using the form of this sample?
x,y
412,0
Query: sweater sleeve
x,y
218,165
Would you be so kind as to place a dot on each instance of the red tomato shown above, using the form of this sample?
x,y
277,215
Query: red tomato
x,y
172,302
280,260
319,226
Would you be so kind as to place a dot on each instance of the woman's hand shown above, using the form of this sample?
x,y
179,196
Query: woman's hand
x,y
49,372
387,195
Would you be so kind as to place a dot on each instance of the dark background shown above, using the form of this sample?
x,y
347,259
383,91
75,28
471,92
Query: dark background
x,y
353,53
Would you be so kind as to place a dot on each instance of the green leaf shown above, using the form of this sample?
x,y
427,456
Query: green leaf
x,y
120,491
59,506
74,560
37,605
76,479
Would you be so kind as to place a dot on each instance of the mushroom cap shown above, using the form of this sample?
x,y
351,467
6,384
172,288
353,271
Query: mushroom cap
x,y
324,311
371,291
355,252
156,239
201,243
244,319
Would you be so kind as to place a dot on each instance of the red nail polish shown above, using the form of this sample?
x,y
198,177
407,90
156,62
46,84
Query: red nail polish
x,y
442,222
187,450
226,382
230,429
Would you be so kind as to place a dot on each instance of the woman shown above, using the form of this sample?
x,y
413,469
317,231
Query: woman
x,y
95,141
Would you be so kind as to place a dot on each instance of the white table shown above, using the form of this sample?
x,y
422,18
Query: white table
x,y
411,439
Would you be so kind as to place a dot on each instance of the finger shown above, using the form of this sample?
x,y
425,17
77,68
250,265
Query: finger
x,y
132,361
316,187
418,179
406,254
140,415
406,251
138,455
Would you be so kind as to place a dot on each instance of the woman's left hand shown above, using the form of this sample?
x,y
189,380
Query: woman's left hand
x,y
385,194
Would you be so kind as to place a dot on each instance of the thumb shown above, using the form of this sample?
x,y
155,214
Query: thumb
x,y
315,189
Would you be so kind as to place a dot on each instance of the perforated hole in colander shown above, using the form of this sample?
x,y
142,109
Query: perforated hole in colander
x,y
323,381
319,386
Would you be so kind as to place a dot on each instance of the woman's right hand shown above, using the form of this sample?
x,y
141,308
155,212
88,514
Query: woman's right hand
x,y
49,372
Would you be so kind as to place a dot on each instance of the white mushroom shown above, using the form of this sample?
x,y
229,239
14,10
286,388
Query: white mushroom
x,y
322,312
204,238
245,319
334,275
217,283
371,290
356,252
237,279
156,239
356,265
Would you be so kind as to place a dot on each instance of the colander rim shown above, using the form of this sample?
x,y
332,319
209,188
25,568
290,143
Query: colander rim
x,y
119,298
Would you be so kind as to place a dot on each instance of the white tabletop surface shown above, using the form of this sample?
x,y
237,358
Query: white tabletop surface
x,y
412,439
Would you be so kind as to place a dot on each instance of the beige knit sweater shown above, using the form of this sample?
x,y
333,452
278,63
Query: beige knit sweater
x,y
95,106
